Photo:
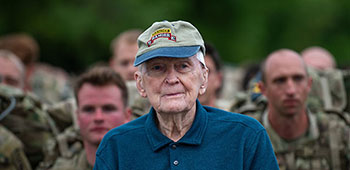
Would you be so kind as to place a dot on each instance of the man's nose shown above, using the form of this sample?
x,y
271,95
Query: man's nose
x,y
98,116
171,76
291,87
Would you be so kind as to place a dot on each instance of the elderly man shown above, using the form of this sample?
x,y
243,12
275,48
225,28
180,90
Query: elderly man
x,y
301,139
102,97
179,132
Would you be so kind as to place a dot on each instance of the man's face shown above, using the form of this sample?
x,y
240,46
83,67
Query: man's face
x,y
10,74
286,84
172,85
215,80
100,109
123,60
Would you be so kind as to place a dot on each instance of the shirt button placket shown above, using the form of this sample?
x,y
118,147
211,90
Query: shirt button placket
x,y
173,149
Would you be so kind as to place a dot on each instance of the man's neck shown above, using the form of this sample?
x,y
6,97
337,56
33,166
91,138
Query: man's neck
x,y
90,150
175,126
289,127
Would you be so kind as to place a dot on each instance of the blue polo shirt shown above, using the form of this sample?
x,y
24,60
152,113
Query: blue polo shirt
x,y
217,140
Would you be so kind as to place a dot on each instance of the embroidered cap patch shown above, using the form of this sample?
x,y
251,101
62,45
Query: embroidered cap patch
x,y
161,33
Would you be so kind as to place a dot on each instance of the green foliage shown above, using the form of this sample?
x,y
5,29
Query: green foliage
x,y
74,34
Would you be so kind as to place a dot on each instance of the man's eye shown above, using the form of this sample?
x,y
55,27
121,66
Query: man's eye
x,y
124,63
298,78
280,80
88,109
183,67
109,108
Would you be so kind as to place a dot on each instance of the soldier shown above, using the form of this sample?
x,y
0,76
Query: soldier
x,y
301,139
22,113
318,58
215,77
50,84
102,98
124,49
11,70
12,156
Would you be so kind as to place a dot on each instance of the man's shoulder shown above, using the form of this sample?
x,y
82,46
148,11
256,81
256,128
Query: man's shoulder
x,y
128,128
235,118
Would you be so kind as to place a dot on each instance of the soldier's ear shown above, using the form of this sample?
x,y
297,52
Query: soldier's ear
x,y
139,84
261,87
309,83
128,113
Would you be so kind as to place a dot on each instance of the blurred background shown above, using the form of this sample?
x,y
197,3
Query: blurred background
x,y
74,34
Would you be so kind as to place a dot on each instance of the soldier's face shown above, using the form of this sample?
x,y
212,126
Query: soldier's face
x,y
10,74
123,60
100,109
286,84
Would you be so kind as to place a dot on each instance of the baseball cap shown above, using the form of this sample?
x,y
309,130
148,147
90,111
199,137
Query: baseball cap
x,y
178,39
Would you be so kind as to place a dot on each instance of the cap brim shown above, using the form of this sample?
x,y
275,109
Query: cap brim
x,y
176,52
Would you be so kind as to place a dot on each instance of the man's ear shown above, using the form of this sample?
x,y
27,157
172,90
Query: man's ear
x,y
204,84
262,87
139,84
128,113
309,83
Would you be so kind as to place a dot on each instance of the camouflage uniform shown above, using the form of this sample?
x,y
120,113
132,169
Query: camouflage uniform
x,y
50,84
12,156
27,120
326,144
78,161
65,152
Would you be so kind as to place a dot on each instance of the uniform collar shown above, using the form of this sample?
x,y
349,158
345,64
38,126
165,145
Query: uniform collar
x,y
193,136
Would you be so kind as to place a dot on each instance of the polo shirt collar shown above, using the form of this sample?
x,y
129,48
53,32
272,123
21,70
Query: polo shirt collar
x,y
193,136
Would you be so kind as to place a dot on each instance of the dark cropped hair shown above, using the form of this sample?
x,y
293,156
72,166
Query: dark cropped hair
x,y
102,76
21,44
212,52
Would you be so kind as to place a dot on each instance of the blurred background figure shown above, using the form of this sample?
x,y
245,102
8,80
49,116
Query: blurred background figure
x,y
50,84
318,58
12,155
102,98
124,49
301,138
215,77
12,70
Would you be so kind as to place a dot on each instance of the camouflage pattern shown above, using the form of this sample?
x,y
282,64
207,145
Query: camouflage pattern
x,y
78,161
346,76
140,107
65,152
328,87
325,146
50,84
12,156
27,120
63,113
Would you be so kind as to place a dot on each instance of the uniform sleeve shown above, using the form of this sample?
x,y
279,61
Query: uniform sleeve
x,y
260,154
